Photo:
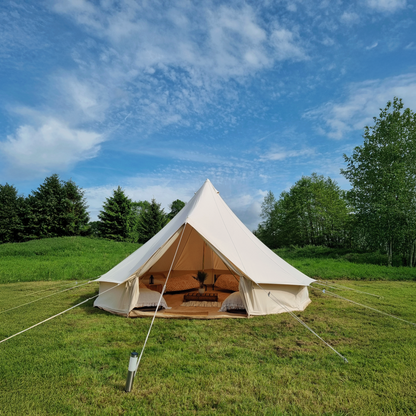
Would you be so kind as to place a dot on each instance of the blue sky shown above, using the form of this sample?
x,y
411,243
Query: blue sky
x,y
157,96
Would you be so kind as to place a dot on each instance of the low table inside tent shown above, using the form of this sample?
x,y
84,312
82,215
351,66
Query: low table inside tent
x,y
201,297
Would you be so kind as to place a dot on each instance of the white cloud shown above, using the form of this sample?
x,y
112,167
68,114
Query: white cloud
x,y
386,5
51,147
282,154
374,45
224,41
350,18
362,103
149,66
286,46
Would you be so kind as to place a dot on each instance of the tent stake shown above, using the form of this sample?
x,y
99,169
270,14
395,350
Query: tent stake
x,y
132,370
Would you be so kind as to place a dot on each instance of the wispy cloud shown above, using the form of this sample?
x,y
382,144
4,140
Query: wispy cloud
x,y
386,5
161,64
279,153
350,18
374,45
362,103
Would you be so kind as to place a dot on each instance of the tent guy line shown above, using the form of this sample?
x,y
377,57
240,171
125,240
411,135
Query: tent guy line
x,y
341,287
44,297
55,287
158,304
364,306
272,297
58,314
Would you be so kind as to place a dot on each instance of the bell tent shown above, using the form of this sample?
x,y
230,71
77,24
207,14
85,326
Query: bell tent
x,y
206,235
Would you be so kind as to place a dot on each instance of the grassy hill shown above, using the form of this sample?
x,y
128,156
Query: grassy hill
x,y
327,263
66,258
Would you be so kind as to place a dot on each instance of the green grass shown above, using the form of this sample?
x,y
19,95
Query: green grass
x,y
65,258
76,364
326,263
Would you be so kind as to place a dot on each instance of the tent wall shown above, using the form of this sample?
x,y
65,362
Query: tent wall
x,y
257,301
119,300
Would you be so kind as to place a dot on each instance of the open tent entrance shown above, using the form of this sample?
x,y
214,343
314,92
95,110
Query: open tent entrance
x,y
193,254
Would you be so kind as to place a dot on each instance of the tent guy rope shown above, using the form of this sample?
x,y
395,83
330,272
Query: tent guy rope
x,y
60,313
44,297
60,284
336,286
272,297
364,306
158,304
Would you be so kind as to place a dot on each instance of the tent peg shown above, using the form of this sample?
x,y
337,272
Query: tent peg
x,y
132,370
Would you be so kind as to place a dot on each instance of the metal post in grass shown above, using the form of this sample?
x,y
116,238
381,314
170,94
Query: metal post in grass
x,y
132,369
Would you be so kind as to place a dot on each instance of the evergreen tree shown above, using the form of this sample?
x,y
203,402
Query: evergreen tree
x,y
46,209
76,216
116,219
11,211
175,207
138,209
57,208
151,221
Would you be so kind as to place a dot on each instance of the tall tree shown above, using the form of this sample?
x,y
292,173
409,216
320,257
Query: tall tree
x,y
314,211
76,216
115,219
46,214
11,210
151,221
382,173
175,207
57,208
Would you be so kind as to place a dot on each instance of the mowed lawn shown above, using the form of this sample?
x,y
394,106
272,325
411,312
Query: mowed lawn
x,y
76,364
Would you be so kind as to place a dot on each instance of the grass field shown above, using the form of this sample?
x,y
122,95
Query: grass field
x,y
65,258
77,363
327,263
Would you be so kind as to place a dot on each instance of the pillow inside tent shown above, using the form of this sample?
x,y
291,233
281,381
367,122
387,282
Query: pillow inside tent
x,y
149,298
181,283
227,282
234,303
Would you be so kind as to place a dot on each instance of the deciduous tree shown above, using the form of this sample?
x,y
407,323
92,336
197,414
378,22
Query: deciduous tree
x,y
382,173
175,207
314,212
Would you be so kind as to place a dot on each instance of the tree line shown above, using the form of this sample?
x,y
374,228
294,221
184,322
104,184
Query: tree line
x,y
58,208
377,213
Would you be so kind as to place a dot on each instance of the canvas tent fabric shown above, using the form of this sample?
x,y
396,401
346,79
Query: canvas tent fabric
x,y
207,235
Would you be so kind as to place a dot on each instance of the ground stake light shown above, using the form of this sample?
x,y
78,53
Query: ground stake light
x,y
132,369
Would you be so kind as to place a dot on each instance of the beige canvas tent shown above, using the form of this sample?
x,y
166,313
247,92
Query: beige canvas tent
x,y
207,235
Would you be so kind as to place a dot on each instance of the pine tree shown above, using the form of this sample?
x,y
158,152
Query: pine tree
x,y
57,208
151,221
46,211
115,220
11,210
76,216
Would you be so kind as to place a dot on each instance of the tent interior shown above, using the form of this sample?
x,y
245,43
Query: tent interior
x,y
193,254
228,293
